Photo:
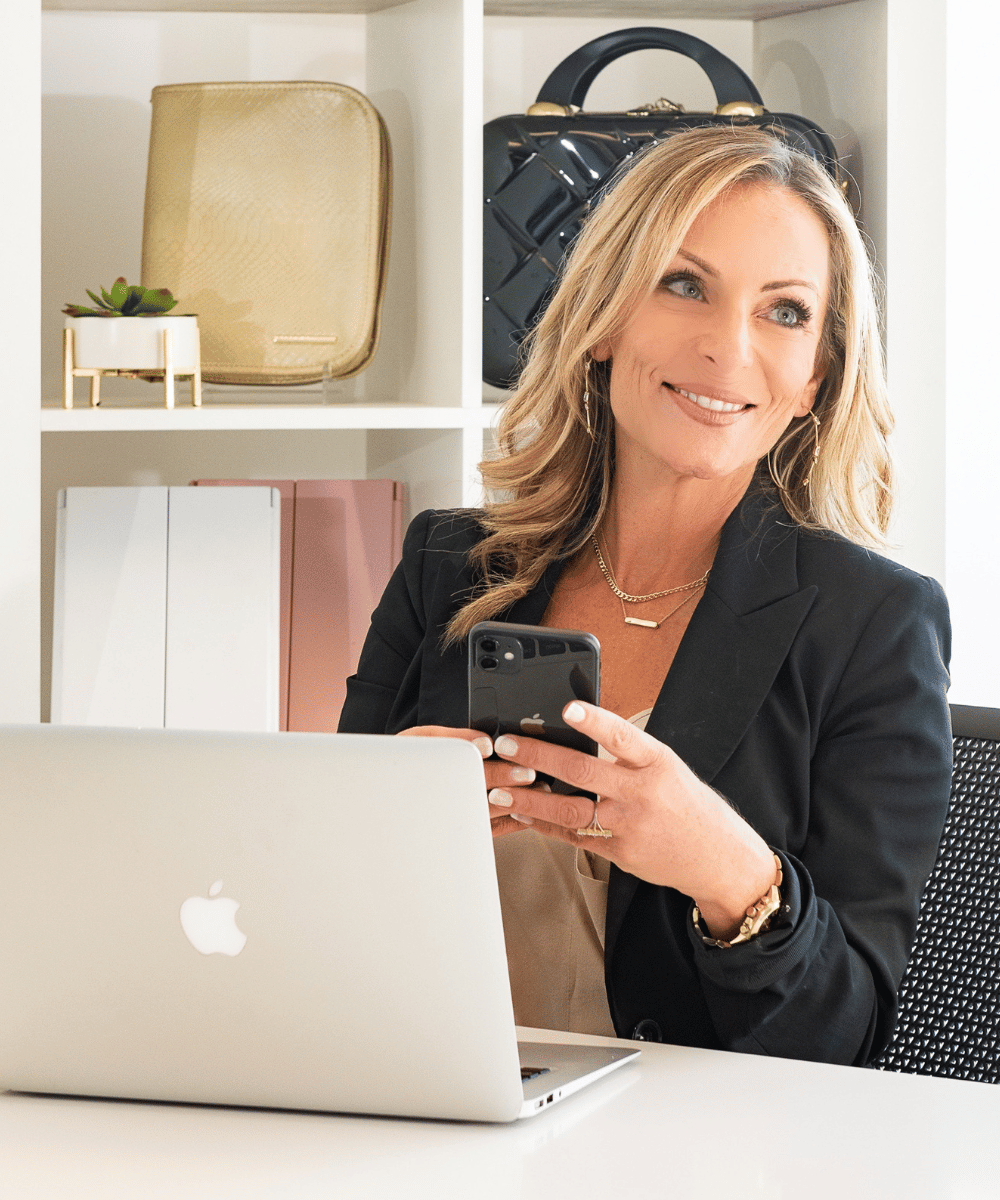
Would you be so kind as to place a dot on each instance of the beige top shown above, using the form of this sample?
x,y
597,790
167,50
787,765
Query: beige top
x,y
554,899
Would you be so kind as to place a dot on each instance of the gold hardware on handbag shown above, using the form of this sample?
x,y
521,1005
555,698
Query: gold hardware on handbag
x,y
267,213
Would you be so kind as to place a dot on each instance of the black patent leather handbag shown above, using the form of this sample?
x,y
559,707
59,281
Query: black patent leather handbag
x,y
544,171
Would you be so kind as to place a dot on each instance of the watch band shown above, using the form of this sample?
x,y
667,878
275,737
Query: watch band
x,y
756,921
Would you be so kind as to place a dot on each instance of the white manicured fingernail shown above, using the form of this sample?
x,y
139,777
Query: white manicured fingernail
x,y
573,712
500,798
505,745
523,819
522,775
483,745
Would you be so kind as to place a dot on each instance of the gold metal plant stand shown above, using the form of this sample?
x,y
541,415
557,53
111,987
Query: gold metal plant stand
x,y
71,371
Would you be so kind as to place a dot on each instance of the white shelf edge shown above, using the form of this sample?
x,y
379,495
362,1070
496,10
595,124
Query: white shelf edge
x,y
753,10
657,10
277,7
265,417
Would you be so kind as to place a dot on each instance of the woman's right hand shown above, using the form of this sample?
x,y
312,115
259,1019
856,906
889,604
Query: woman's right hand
x,y
499,774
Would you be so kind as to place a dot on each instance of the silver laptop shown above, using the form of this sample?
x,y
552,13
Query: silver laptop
x,y
286,920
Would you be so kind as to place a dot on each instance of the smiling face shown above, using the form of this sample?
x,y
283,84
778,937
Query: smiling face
x,y
714,365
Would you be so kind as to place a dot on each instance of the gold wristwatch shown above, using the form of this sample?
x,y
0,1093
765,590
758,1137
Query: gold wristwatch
x,y
756,921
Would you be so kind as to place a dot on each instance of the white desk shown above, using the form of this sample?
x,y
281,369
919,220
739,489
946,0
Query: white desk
x,y
811,1132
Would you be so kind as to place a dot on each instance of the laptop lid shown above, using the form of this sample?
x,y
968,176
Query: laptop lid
x,y
358,869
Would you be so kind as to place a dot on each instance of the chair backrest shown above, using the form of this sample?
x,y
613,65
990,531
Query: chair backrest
x,y
949,1014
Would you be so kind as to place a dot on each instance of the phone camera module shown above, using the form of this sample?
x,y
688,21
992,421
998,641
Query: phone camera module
x,y
488,646
488,663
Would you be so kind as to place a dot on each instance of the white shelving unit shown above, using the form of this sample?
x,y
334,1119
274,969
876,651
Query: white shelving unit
x,y
267,416
435,69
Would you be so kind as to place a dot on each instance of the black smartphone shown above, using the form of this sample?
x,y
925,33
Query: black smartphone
x,y
521,677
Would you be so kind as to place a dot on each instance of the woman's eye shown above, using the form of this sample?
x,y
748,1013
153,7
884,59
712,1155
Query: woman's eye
x,y
684,286
790,314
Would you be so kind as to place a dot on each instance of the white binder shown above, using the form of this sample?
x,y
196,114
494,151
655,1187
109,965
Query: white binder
x,y
167,608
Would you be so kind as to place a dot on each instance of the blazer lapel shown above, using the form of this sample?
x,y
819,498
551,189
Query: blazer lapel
x,y
731,652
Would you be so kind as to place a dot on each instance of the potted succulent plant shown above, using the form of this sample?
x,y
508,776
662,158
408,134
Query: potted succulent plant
x,y
130,332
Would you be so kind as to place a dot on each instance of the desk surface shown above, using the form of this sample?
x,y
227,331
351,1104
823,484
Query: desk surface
x,y
696,1124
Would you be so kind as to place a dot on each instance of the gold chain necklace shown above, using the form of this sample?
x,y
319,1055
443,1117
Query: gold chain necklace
x,y
684,587
655,624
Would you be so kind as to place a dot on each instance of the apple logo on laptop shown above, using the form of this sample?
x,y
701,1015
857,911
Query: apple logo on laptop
x,y
210,924
533,726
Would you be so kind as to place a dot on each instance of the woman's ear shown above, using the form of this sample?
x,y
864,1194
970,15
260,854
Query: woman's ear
x,y
808,397
811,390
601,352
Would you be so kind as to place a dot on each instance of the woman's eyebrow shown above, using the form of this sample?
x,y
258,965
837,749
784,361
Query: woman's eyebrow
x,y
783,283
698,262
775,286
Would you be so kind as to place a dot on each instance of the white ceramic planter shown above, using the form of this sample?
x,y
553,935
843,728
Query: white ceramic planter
x,y
134,343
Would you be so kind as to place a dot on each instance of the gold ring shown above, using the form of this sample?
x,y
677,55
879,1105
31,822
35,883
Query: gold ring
x,y
595,828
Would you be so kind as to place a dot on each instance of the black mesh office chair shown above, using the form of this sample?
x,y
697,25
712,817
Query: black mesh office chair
x,y
949,1016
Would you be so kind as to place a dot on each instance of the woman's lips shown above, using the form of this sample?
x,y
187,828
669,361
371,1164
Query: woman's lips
x,y
711,403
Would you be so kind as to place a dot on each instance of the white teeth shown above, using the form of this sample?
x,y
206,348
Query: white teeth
x,y
713,405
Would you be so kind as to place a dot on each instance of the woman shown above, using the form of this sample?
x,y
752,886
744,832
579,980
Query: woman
x,y
694,469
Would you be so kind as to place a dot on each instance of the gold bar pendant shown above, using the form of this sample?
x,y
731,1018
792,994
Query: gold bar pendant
x,y
644,624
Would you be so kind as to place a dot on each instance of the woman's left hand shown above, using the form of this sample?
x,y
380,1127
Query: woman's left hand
x,y
669,828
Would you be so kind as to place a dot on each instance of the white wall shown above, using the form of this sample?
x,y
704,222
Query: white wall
x,y
969,298
19,253
914,256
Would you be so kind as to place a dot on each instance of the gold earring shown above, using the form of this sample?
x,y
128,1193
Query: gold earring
x,y
815,456
774,479
807,482
586,397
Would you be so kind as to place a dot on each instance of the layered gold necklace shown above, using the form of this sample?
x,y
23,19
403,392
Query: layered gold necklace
x,y
625,598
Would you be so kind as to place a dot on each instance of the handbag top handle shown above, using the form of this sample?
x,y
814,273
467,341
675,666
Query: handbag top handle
x,y
569,82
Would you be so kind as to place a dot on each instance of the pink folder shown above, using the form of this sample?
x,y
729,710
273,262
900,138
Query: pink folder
x,y
347,542
340,541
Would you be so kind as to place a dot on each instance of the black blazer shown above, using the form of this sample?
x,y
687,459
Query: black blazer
x,y
809,689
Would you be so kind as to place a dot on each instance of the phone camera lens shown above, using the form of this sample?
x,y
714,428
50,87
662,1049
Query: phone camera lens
x,y
488,663
488,645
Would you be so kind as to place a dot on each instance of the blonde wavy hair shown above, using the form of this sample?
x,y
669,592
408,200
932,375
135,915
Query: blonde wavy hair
x,y
551,482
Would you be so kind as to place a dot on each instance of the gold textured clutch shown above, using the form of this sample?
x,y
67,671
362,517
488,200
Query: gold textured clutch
x,y
267,215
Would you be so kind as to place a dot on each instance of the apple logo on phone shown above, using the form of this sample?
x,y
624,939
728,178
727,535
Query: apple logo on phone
x,y
210,924
533,726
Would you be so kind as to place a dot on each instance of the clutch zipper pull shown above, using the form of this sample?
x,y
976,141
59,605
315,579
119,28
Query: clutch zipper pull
x,y
545,108
656,106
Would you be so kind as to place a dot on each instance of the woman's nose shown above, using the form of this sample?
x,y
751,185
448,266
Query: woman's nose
x,y
726,340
